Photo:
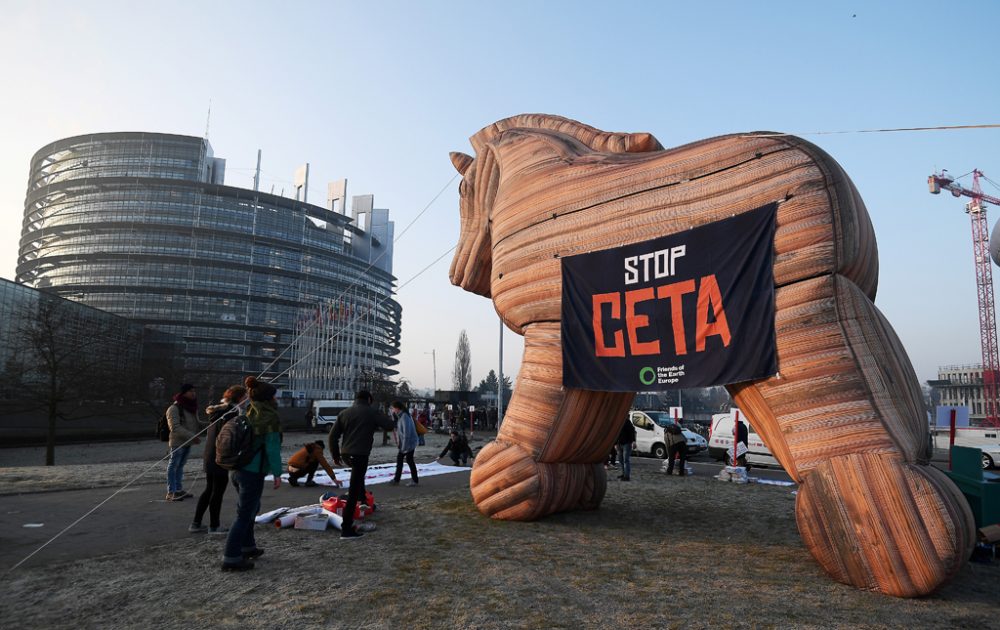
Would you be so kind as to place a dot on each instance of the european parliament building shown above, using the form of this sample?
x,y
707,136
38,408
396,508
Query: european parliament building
x,y
142,226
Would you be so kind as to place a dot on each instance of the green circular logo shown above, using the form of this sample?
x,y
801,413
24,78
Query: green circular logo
x,y
647,375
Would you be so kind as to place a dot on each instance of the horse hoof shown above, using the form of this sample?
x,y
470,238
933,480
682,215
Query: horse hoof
x,y
880,524
508,484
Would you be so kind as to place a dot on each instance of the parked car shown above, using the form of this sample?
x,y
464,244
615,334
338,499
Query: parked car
x,y
649,438
987,440
991,455
325,412
720,442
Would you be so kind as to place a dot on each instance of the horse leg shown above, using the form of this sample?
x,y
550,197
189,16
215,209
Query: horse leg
x,y
846,420
548,456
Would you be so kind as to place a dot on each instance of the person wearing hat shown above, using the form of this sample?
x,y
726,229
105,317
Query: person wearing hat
x,y
306,461
182,418
262,416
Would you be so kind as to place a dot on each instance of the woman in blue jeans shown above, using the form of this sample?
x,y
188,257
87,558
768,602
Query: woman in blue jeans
x,y
626,444
262,414
182,418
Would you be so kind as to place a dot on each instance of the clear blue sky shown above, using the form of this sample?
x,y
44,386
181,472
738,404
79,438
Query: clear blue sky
x,y
379,93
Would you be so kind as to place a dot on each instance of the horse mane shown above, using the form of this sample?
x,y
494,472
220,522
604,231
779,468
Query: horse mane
x,y
597,140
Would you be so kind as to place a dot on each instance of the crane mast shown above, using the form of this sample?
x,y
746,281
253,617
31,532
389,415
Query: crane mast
x,y
976,209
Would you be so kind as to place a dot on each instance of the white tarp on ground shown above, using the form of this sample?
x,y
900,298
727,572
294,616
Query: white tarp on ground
x,y
380,473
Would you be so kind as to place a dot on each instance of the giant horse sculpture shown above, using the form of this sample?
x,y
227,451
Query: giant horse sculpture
x,y
844,416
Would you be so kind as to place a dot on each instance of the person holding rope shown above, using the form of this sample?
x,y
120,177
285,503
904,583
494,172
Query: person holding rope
x,y
262,414
182,418
216,477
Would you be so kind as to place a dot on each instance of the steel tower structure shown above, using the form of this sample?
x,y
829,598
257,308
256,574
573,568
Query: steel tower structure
x,y
976,209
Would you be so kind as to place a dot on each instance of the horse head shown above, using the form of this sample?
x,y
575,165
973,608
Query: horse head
x,y
481,179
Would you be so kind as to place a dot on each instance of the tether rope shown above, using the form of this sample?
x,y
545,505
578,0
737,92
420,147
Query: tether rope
x,y
889,130
242,403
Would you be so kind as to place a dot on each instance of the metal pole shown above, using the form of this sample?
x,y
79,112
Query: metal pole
x,y
736,435
433,354
256,174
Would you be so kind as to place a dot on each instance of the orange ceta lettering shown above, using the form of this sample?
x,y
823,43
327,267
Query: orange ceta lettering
x,y
600,348
674,293
710,299
633,322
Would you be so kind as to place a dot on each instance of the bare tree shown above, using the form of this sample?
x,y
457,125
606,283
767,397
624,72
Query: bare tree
x,y
68,364
403,390
382,389
461,374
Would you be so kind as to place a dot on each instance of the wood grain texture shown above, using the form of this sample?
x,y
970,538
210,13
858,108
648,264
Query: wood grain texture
x,y
845,414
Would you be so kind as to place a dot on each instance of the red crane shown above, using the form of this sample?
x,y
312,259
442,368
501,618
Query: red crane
x,y
976,209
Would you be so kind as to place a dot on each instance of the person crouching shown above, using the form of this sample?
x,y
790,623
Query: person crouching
x,y
306,461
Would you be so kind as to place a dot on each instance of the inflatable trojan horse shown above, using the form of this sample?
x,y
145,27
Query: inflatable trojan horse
x,y
843,413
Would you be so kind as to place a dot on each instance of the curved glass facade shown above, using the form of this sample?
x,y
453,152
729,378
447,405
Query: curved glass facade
x,y
131,223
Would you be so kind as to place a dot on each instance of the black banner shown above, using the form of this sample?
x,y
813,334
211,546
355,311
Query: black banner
x,y
692,309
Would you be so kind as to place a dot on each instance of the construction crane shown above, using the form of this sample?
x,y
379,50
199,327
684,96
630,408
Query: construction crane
x,y
976,209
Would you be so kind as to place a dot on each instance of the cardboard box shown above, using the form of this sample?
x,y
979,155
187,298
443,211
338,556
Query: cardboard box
x,y
316,522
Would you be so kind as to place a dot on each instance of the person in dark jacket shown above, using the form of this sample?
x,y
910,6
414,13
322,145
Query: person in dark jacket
x,y
676,448
626,442
458,449
216,477
351,440
742,436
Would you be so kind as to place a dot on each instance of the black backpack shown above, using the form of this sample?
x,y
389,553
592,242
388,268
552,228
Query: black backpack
x,y
163,428
234,445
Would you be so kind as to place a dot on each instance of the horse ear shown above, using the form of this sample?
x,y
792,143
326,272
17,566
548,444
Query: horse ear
x,y
461,161
642,142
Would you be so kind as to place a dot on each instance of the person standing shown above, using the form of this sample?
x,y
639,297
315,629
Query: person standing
x,y
356,426
406,432
216,477
306,461
743,437
423,419
182,418
262,415
676,448
626,442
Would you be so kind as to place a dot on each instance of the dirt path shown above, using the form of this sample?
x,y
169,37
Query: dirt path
x,y
677,552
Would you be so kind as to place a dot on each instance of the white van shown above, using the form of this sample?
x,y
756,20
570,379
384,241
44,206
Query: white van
x,y
985,439
720,442
326,411
649,436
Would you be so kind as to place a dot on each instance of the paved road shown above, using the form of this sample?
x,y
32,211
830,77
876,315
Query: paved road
x,y
138,517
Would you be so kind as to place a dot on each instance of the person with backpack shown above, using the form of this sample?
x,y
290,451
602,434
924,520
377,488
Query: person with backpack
x,y
216,477
263,422
422,423
406,439
182,419
676,448
351,440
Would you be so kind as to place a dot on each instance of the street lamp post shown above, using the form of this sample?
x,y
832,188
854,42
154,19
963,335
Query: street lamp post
x,y
433,354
